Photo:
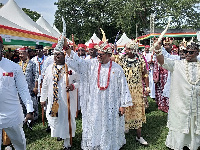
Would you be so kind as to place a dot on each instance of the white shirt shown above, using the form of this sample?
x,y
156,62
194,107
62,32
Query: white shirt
x,y
10,86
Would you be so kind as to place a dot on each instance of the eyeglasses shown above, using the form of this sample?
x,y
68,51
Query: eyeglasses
x,y
190,52
100,54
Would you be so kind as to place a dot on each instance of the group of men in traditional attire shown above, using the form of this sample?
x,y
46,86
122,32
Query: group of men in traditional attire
x,y
110,90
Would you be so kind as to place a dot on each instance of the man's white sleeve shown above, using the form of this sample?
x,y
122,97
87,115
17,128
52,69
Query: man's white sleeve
x,y
22,88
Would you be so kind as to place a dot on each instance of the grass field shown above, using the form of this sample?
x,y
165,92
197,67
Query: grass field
x,y
154,131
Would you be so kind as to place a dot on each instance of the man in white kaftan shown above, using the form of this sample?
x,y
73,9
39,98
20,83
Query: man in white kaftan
x,y
103,128
59,125
184,102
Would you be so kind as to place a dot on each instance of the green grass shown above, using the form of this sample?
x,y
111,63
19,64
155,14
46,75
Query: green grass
x,y
154,132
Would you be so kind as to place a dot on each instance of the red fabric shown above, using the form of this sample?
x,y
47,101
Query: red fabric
x,y
22,49
54,45
82,46
25,31
91,45
73,87
107,46
161,75
70,72
8,74
101,42
174,47
147,46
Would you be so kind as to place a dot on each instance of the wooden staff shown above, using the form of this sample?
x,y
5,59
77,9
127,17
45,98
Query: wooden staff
x,y
68,105
40,93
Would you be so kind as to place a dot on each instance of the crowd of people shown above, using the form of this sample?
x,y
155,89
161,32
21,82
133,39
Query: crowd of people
x,y
109,88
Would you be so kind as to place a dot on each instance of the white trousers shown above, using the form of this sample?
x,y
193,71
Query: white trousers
x,y
17,137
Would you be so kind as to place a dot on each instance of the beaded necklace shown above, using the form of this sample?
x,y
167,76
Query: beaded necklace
x,y
24,66
98,78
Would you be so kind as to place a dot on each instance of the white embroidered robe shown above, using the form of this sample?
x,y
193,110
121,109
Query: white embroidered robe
x,y
103,129
184,104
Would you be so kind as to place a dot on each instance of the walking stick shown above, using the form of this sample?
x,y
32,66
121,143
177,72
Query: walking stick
x,y
68,105
40,93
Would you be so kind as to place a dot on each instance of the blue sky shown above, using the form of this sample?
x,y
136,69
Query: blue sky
x,y
44,7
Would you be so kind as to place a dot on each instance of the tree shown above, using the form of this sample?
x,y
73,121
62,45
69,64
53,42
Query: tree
x,y
85,17
32,14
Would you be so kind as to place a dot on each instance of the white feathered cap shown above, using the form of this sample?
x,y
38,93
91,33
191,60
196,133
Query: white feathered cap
x,y
132,45
59,46
106,47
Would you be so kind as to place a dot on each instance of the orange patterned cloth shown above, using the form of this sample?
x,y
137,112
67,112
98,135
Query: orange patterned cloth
x,y
133,70
6,140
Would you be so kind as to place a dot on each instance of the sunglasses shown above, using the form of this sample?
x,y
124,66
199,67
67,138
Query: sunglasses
x,y
190,52
100,54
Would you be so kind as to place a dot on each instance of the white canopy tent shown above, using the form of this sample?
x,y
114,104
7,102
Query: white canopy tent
x,y
12,12
6,22
93,39
123,41
54,27
44,24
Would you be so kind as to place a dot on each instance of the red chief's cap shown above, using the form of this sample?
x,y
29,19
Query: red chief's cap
x,y
91,45
82,46
22,49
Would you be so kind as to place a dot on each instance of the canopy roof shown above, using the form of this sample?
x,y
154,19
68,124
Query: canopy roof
x,y
6,22
12,12
54,27
123,41
93,39
43,23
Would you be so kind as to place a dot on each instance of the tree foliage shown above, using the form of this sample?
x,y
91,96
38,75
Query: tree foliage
x,y
32,14
84,17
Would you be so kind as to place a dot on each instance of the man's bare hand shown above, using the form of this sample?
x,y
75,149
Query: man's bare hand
x,y
122,110
43,104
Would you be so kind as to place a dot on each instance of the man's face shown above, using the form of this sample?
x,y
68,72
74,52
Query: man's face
x,y
191,55
23,55
181,54
130,52
45,52
39,52
102,57
59,58
168,47
175,50
147,49
93,52
82,52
